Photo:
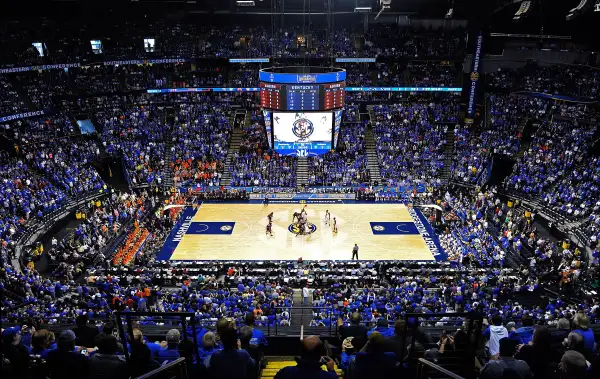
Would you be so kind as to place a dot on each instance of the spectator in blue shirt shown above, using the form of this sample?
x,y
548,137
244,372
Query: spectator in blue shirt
x,y
171,353
209,347
258,337
350,347
382,328
525,332
582,327
41,343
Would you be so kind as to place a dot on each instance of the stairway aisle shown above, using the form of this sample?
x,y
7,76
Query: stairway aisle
x,y
274,365
234,147
372,160
168,118
302,172
448,153
300,317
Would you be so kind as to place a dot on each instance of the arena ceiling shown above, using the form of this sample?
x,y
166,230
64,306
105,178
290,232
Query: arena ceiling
x,y
546,17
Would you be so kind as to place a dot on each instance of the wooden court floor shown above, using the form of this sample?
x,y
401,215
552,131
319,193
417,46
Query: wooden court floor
x,y
248,240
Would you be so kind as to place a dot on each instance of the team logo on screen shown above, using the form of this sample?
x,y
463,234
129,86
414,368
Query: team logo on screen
x,y
303,128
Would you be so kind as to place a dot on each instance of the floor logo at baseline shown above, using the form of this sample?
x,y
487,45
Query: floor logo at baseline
x,y
393,228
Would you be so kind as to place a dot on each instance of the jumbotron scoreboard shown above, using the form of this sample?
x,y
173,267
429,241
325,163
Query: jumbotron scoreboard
x,y
304,90
302,108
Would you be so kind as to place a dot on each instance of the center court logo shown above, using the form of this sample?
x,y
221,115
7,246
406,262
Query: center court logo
x,y
295,228
303,128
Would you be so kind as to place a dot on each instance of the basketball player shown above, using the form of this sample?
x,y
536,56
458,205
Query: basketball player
x,y
301,229
335,225
266,201
303,211
327,217
270,216
269,229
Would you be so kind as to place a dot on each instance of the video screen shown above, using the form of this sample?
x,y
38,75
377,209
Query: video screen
x,y
96,46
86,127
39,46
302,134
149,44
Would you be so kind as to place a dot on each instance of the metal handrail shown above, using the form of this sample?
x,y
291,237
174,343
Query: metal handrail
x,y
183,318
424,362
177,362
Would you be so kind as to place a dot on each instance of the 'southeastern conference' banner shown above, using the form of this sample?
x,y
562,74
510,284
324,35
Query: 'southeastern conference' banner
x,y
474,76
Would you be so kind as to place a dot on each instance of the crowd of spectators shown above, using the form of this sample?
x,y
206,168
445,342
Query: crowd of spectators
x,y
409,143
10,101
68,165
24,195
255,164
125,39
557,148
39,129
138,133
200,141
346,165
560,79
475,145
431,74
101,222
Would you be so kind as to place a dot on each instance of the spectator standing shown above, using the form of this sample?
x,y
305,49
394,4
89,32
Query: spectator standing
x,y
309,364
305,293
41,343
494,333
559,335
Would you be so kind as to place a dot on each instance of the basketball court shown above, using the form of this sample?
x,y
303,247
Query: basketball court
x,y
237,232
